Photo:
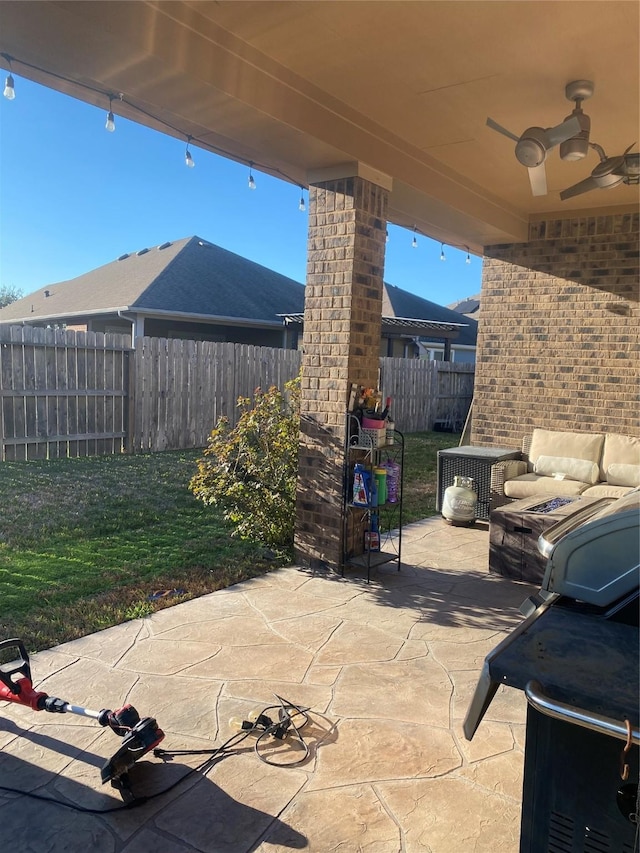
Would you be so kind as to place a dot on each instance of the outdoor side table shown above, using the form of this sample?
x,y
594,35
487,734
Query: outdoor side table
x,y
514,530
475,462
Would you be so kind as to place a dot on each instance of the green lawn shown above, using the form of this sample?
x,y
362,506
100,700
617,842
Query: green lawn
x,y
88,543
420,459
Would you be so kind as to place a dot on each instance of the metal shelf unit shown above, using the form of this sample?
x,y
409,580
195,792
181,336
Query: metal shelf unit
x,y
357,518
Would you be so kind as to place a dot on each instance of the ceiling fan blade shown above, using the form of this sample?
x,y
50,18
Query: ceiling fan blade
x,y
585,186
562,132
495,126
538,180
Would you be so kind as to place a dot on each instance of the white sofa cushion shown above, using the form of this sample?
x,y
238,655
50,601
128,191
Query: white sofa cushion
x,y
619,450
574,445
567,468
528,485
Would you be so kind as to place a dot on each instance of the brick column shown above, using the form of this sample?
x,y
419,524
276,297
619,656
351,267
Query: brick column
x,y
341,345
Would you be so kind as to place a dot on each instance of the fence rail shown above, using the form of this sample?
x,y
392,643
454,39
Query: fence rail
x,y
65,393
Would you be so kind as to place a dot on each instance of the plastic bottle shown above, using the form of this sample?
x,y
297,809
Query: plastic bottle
x,y
388,422
393,478
361,485
373,490
372,536
380,475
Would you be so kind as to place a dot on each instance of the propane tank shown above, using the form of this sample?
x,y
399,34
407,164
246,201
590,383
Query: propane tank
x,y
459,504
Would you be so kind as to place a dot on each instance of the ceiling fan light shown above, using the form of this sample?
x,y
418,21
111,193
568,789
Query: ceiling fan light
x,y
530,148
577,147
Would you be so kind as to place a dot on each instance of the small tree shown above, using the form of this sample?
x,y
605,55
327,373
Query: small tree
x,y
250,470
8,295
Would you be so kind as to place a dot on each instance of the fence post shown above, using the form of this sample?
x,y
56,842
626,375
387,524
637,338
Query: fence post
x,y
130,421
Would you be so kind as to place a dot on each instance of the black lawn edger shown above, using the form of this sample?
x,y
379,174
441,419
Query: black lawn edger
x,y
139,735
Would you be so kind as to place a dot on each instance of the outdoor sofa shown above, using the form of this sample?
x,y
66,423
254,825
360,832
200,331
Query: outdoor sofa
x,y
559,464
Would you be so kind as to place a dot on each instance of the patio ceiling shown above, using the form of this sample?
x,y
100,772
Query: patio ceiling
x,y
403,88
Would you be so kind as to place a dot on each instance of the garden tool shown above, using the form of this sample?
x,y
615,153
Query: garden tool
x,y
139,735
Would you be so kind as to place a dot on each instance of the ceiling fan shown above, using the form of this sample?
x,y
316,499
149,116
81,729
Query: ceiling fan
x,y
609,172
572,135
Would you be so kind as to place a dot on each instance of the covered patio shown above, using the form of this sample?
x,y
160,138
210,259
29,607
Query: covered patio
x,y
380,109
404,112
387,670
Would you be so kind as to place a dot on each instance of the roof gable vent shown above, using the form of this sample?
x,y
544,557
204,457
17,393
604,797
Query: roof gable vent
x,y
142,252
124,257
164,246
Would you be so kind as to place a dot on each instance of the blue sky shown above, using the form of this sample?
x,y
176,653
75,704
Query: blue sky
x,y
74,197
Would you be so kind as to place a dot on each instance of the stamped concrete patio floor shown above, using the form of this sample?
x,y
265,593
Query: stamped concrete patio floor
x,y
387,669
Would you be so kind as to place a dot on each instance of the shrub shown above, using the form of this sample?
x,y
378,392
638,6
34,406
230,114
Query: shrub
x,y
250,470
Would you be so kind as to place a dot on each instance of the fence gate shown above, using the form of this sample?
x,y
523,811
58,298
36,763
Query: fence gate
x,y
62,393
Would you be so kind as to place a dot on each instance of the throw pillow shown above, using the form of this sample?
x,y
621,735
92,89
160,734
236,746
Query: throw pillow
x,y
620,474
573,469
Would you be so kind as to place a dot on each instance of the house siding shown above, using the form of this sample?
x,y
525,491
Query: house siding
x,y
558,338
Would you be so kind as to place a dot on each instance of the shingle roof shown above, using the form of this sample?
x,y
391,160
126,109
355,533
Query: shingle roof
x,y
189,276
400,303
192,276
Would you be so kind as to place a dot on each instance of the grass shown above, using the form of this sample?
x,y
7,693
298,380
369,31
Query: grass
x,y
420,460
92,542
87,543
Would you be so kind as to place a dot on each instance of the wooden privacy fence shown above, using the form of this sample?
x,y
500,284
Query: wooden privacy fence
x,y
62,393
65,393
181,388
427,394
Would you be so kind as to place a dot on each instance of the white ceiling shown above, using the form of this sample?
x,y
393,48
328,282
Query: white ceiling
x,y
404,88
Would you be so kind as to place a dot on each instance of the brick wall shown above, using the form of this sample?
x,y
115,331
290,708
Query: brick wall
x,y
341,345
558,340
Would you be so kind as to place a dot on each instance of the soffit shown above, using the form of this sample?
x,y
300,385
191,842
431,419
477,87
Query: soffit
x,y
404,87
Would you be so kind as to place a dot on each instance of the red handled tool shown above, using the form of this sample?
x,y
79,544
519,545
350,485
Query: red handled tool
x,y
139,736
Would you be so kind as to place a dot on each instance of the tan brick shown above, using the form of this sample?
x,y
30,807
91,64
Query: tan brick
x,y
554,300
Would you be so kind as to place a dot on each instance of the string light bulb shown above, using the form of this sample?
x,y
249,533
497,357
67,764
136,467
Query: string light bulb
x,y
386,239
188,159
414,242
110,124
9,88
252,183
9,85
301,205
468,260
442,255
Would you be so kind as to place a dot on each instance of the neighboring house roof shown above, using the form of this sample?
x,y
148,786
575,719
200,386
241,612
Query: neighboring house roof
x,y
189,276
422,318
400,303
470,306
194,278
